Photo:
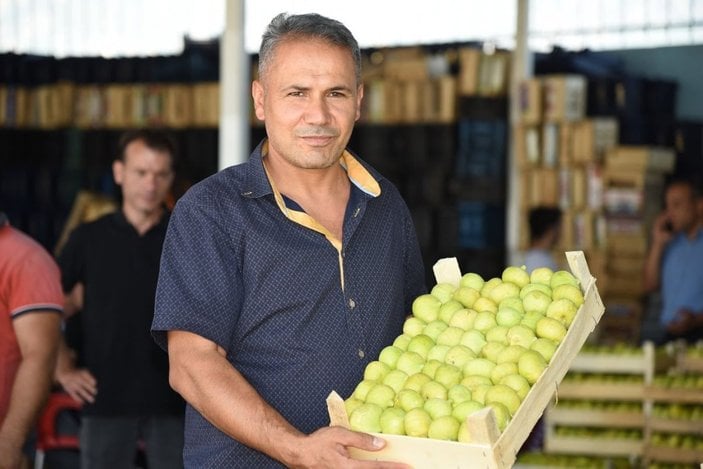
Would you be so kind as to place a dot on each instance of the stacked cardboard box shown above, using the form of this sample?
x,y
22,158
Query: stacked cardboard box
x,y
560,153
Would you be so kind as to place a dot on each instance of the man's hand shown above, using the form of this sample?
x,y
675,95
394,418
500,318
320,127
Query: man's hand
x,y
79,383
684,321
327,447
661,230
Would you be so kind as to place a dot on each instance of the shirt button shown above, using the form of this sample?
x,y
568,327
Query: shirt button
x,y
361,353
352,303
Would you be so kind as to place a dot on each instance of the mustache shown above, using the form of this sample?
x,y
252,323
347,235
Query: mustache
x,y
317,132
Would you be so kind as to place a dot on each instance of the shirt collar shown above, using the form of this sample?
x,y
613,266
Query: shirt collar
x,y
257,183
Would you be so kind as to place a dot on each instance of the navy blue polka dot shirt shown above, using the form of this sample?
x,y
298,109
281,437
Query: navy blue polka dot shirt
x,y
299,312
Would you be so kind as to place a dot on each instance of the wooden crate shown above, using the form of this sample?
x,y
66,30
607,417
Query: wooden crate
x,y
599,446
673,455
596,418
493,449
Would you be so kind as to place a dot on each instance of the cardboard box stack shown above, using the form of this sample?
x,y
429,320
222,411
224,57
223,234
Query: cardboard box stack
x,y
633,182
561,154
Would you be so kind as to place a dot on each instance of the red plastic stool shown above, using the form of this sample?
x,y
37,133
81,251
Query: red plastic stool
x,y
47,437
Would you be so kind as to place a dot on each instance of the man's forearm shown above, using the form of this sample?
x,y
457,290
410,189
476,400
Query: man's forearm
x,y
652,267
29,392
223,396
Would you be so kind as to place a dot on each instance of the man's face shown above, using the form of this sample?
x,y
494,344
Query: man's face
x,y
145,176
681,207
309,100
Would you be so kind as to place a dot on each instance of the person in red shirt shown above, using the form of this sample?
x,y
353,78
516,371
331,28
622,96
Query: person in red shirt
x,y
31,307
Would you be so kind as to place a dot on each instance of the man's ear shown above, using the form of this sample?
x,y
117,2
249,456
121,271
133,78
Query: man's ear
x,y
257,93
359,97
118,171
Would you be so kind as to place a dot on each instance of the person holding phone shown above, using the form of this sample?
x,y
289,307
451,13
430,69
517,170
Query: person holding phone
x,y
674,263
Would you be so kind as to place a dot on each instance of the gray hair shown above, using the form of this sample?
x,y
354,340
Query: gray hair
x,y
310,25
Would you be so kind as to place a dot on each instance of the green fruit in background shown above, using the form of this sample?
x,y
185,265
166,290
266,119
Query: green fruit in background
x,y
410,363
408,399
366,418
542,275
516,275
472,280
421,344
550,328
531,365
447,310
389,355
381,395
426,307
443,291
444,428
491,350
413,326
392,421
375,371
437,407
434,328
562,277
395,379
417,422
466,296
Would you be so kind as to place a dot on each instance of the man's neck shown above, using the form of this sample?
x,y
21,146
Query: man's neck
x,y
142,221
692,232
308,184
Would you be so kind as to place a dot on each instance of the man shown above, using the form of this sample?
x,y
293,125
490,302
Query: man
x,y
113,264
545,225
281,278
675,261
31,305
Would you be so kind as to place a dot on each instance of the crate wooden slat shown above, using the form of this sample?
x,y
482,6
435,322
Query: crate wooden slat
x,y
659,424
674,455
594,446
596,418
494,452
688,363
601,391
683,396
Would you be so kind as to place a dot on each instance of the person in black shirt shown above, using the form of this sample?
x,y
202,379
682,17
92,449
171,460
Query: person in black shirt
x,y
109,272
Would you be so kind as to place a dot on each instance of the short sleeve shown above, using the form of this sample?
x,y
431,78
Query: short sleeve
x,y
36,284
200,285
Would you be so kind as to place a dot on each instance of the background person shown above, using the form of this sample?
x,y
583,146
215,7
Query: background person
x,y
545,227
674,263
31,304
110,269
282,277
